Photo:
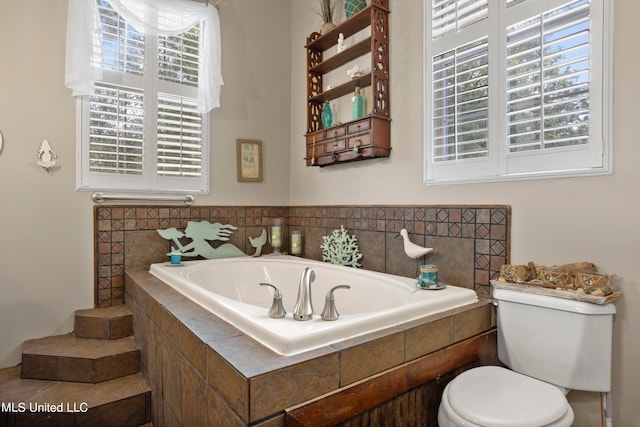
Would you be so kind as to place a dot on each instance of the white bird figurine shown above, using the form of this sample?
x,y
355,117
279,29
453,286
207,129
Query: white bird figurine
x,y
411,249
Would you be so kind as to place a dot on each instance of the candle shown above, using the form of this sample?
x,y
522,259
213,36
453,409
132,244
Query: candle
x,y
296,243
276,236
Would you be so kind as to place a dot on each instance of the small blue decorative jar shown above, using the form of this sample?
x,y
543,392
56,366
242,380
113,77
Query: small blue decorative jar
x,y
175,257
428,276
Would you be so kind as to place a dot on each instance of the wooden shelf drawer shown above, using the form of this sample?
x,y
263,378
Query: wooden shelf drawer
x,y
371,135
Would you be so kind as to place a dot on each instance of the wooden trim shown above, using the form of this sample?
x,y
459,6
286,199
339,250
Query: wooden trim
x,y
352,52
355,399
357,22
341,89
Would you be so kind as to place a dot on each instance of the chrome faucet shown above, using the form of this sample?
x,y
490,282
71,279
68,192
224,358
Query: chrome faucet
x,y
277,310
329,312
303,310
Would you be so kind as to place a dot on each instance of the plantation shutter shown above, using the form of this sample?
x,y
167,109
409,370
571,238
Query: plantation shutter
x,y
460,81
516,89
116,131
179,137
452,15
179,57
461,102
548,80
143,125
554,88
121,48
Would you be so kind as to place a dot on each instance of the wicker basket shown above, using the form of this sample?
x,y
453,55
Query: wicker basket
x,y
555,277
578,279
594,284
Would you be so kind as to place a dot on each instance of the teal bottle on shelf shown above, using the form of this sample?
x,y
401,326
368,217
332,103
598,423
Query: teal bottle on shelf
x,y
357,105
327,118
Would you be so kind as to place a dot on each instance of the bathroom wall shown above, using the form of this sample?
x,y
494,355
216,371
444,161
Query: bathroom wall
x,y
45,255
554,221
46,226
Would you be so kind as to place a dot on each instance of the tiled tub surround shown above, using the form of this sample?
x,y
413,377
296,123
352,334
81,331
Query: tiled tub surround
x,y
203,371
471,242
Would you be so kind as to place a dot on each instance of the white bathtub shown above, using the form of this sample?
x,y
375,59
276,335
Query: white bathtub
x,y
230,289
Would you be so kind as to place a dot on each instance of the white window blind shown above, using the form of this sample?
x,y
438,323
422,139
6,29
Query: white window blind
x,y
520,90
141,128
121,48
116,131
179,56
453,15
514,2
461,102
548,75
179,137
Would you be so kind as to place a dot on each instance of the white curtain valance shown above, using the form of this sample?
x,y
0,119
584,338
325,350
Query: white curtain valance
x,y
154,17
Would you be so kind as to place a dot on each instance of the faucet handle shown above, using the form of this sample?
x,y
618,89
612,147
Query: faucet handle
x,y
277,310
329,312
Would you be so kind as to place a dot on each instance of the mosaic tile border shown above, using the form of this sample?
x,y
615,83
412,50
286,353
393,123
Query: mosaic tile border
x,y
488,227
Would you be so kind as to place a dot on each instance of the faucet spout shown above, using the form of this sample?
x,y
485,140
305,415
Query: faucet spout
x,y
303,310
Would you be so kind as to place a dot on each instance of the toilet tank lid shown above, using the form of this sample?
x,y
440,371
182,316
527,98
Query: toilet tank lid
x,y
553,302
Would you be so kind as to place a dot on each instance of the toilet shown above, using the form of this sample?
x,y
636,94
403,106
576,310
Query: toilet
x,y
550,345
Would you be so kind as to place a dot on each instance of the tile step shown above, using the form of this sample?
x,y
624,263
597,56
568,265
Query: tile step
x,y
103,323
69,358
121,402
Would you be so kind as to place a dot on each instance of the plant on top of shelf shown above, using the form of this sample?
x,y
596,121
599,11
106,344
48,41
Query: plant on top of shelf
x,y
326,12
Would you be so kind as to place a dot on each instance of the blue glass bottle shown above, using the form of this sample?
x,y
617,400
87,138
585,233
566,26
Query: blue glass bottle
x,y
357,105
327,118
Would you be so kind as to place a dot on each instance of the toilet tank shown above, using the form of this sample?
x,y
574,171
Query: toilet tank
x,y
560,341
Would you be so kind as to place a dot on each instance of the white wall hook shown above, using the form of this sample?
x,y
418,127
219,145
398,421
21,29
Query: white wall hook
x,y
46,156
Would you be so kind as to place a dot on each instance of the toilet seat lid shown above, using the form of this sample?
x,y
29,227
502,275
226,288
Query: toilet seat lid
x,y
497,397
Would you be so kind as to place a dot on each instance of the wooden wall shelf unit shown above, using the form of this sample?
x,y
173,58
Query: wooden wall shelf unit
x,y
360,139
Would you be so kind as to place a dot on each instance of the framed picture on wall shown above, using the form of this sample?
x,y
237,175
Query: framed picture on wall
x,y
249,160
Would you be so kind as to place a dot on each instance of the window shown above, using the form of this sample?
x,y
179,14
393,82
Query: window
x,y
516,89
143,125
